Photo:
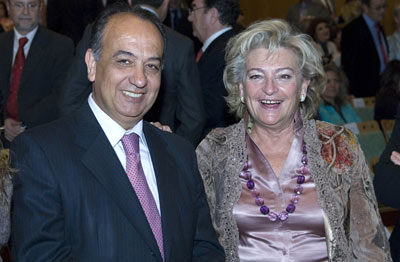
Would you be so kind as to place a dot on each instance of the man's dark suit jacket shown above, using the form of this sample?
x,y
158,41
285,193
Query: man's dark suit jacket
x,y
44,71
387,183
360,59
179,103
211,67
74,202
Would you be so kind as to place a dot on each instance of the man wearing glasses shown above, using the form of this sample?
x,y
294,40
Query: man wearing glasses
x,y
364,49
212,22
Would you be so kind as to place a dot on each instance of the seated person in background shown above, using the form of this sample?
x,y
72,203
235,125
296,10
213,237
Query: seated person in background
x,y
287,188
388,95
336,108
5,201
387,182
319,30
6,23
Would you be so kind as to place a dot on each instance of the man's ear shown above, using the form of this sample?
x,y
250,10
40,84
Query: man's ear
x,y
91,65
214,14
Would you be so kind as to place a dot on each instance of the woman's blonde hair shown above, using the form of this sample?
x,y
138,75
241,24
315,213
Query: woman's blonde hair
x,y
272,35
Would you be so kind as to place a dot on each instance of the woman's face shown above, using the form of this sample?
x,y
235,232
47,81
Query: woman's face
x,y
272,87
322,33
332,86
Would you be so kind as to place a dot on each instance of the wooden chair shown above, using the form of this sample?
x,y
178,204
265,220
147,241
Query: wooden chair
x,y
372,141
387,127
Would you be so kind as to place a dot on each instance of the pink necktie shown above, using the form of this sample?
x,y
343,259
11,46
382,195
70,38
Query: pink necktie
x,y
137,178
199,54
12,99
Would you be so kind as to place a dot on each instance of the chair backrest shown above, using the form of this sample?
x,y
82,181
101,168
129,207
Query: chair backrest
x,y
387,127
364,107
372,141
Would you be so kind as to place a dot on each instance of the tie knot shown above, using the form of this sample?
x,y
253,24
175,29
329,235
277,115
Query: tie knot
x,y
22,41
131,143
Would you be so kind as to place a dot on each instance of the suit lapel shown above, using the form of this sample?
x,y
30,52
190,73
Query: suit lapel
x,y
104,165
35,57
165,170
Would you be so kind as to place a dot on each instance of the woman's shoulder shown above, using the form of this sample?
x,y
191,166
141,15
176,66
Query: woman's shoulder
x,y
338,144
224,135
337,134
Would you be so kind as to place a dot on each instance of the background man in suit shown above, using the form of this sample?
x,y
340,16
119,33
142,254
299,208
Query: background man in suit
x,y
179,104
29,87
364,49
212,22
73,200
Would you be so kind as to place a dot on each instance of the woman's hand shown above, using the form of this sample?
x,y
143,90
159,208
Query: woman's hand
x,y
395,157
160,126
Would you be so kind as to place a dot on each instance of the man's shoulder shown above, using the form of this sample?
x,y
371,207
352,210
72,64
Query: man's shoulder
x,y
172,140
177,38
53,38
355,24
219,43
6,36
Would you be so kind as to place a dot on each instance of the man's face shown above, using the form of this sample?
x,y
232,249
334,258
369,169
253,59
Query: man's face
x,y
25,14
127,75
376,10
200,19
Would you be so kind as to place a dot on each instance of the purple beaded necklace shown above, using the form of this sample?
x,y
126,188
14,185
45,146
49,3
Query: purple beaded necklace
x,y
298,190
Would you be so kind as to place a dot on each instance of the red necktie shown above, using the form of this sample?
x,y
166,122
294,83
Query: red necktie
x,y
137,178
199,54
383,50
12,99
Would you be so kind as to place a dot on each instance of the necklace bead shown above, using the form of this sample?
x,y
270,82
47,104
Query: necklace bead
x,y
298,190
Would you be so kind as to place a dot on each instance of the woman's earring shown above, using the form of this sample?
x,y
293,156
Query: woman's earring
x,y
242,99
302,98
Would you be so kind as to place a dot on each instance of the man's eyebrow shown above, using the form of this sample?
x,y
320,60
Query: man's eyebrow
x,y
122,52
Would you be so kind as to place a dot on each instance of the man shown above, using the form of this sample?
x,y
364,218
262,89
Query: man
x,y
33,62
364,49
179,104
212,22
73,200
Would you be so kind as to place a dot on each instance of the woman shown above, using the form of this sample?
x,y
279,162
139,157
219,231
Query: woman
x,y
5,199
6,23
282,187
388,96
336,108
320,32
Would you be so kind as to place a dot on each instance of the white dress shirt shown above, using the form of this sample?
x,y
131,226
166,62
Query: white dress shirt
x,y
114,133
27,46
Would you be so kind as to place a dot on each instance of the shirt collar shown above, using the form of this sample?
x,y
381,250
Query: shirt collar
x,y
150,10
29,35
214,36
371,23
113,131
